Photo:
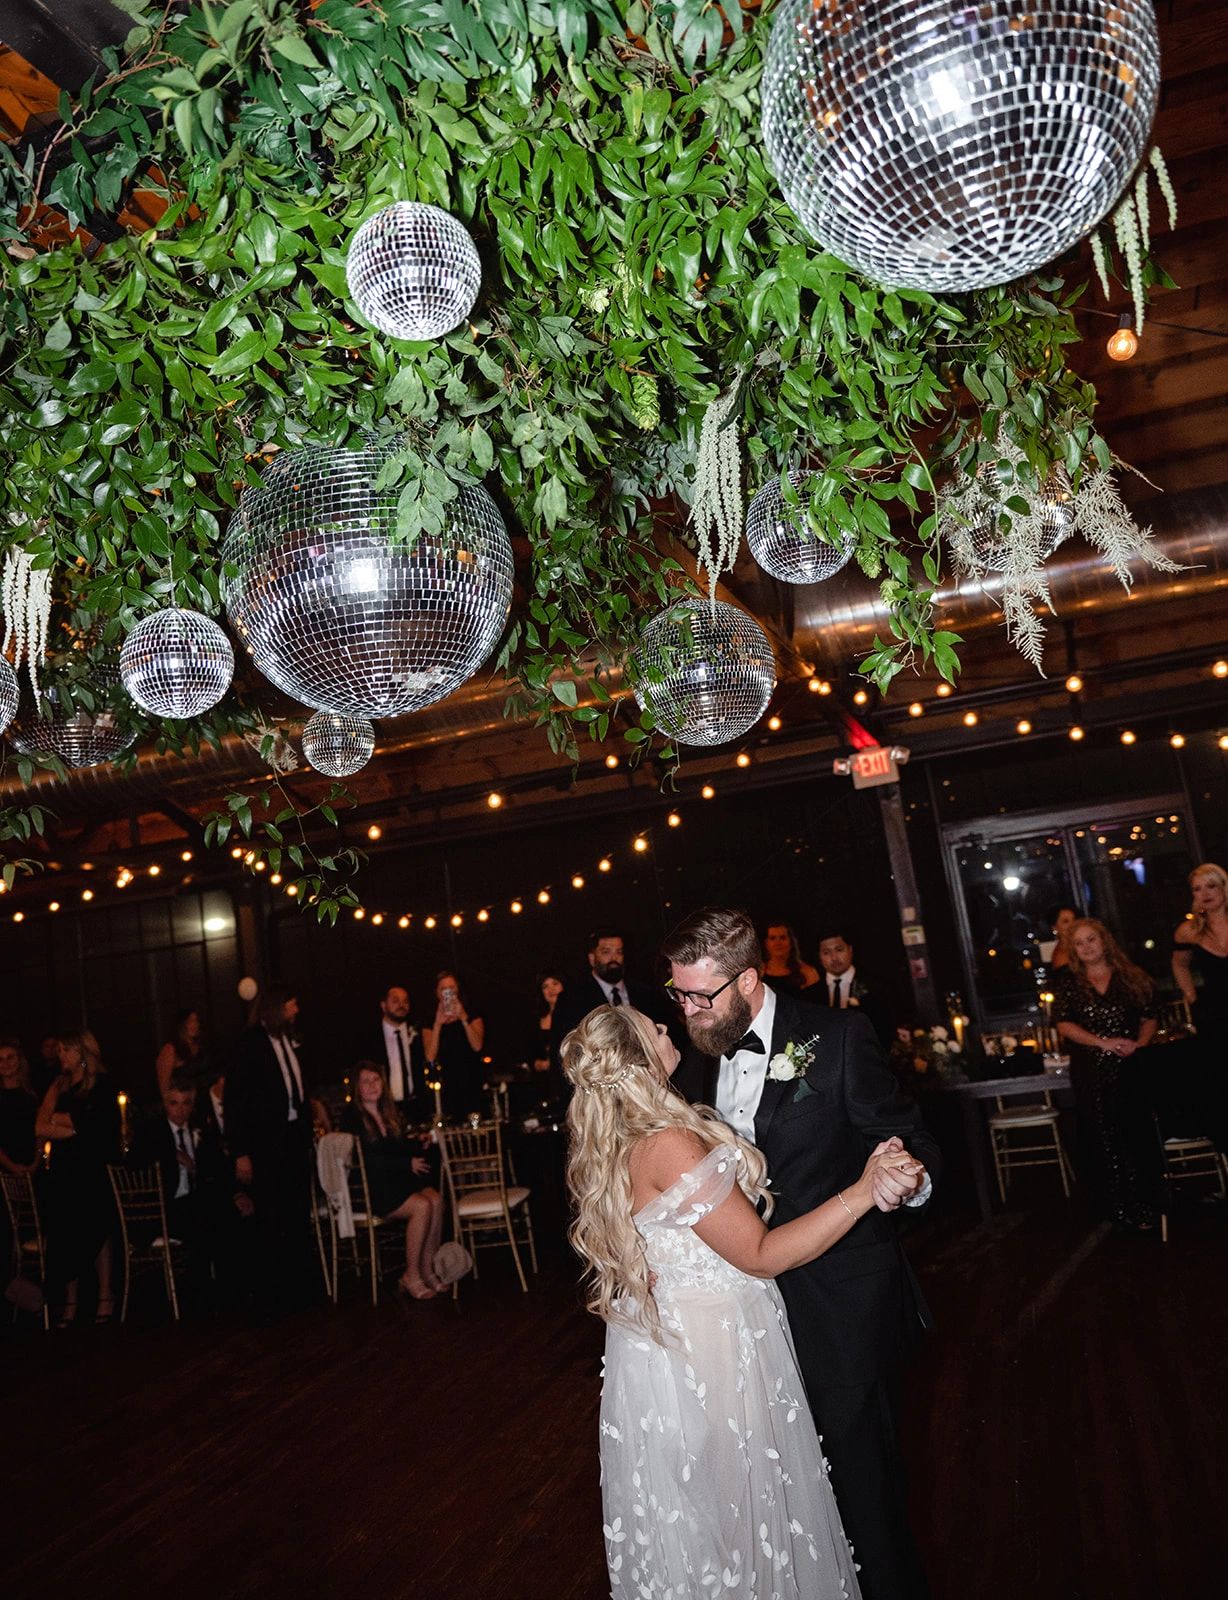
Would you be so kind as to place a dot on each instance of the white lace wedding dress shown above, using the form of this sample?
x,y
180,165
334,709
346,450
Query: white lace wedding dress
x,y
713,1480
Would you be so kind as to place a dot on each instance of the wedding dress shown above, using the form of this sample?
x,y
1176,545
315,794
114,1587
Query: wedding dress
x,y
713,1479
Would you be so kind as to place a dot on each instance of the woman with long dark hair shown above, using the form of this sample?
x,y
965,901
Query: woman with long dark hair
x,y
549,988
183,1051
453,1041
783,967
1106,1011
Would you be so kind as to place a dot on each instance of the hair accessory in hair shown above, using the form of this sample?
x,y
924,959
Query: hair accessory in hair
x,y
606,1083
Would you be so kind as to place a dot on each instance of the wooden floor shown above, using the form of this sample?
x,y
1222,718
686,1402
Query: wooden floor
x,y
1065,1433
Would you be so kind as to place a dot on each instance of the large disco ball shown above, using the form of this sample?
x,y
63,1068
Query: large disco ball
x,y
705,670
982,544
336,745
413,271
782,542
79,738
340,614
176,663
8,693
938,145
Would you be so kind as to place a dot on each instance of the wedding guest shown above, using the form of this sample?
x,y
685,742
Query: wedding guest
x,y
46,1070
702,1409
810,1086
454,1042
227,1203
18,1149
1200,961
181,1055
603,983
175,1148
1105,1010
398,1049
843,986
398,1176
549,987
80,1116
269,1119
783,967
1061,920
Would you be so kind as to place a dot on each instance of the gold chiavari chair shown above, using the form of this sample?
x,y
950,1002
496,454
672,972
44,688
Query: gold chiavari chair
x,y
29,1246
146,1239
487,1211
1039,1124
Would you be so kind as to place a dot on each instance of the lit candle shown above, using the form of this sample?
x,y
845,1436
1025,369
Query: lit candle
x,y
122,1100
47,1153
957,1023
437,1086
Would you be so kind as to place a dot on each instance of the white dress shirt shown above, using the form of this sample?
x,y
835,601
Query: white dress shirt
x,y
184,1186
400,1084
290,1071
218,1112
608,989
839,989
739,1085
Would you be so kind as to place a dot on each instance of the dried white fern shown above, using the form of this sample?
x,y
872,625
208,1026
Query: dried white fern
x,y
716,504
1130,223
25,595
1103,521
272,746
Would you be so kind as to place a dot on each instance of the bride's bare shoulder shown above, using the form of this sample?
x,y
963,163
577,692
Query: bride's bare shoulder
x,y
660,1159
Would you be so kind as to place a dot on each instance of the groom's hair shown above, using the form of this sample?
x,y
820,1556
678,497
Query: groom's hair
x,y
727,936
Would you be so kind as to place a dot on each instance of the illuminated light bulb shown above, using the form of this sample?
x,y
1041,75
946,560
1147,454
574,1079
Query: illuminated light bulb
x,y
236,852
970,719
292,889
543,897
611,761
494,800
54,906
639,843
87,866
1220,669
275,878
377,919
1223,741
375,831
19,916
916,709
604,864
861,698
185,855
456,919
249,858
774,723
577,882
1023,726
4,888
1123,341
1127,736
1177,740
1074,683
708,792
87,894
402,922
261,866
1075,733
155,871
743,760
820,686
359,913
943,690
516,908
430,922
674,820
483,915
1011,882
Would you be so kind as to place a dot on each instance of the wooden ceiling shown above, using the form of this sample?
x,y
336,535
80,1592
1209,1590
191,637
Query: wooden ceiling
x,y
1165,411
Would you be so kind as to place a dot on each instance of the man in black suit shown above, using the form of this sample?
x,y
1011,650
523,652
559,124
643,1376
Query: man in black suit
x,y
816,1111
269,1121
604,984
184,1158
842,985
397,1048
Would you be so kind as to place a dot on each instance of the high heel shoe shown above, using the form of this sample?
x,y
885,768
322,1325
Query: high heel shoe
x,y
416,1291
101,1317
67,1316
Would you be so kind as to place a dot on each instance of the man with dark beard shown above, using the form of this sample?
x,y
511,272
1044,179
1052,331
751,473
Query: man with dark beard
x,y
604,984
811,1088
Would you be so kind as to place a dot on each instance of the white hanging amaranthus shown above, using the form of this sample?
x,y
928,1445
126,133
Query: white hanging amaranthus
x,y
716,505
1130,226
25,596
273,747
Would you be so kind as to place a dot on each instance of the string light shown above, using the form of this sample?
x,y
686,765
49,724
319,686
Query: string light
x,y
4,888
577,881
276,878
87,894
456,919
1075,733
516,908
54,906
1023,726
430,922
820,686
943,690
1074,683
260,866
19,916
494,800
674,820
377,919
359,913
1177,740
861,698
916,709
604,864
1127,736
743,760
185,855
292,889
707,792
543,897
970,719
236,852
774,723
1220,669
375,832
1123,342
483,915
402,922
639,843
1223,741
155,870
611,761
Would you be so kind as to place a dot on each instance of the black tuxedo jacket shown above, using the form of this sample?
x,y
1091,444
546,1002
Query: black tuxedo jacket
x,y
156,1146
257,1103
584,994
855,1311
873,1000
376,1051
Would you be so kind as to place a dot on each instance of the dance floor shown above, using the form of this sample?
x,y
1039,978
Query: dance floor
x,y
1065,1434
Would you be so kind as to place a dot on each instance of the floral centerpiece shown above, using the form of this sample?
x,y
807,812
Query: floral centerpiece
x,y
929,1053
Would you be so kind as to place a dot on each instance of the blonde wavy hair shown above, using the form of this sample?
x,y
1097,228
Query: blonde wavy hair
x,y
622,1095
1208,869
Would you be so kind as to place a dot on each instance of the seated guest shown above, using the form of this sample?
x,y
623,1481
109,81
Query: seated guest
x,y
228,1205
1105,1010
843,986
398,1177
179,1152
453,1041
18,1148
181,1057
549,988
397,1047
80,1116
783,967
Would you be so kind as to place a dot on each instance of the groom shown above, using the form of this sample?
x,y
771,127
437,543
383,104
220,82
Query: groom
x,y
811,1089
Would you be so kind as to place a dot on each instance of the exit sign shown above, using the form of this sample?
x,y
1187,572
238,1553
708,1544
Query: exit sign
x,y
873,766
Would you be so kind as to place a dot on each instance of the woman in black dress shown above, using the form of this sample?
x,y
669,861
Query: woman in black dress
x,y
1200,960
783,967
453,1041
398,1177
182,1055
18,1149
1106,1011
80,1116
549,987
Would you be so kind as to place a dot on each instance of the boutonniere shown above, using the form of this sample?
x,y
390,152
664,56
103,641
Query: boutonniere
x,y
793,1062
853,1000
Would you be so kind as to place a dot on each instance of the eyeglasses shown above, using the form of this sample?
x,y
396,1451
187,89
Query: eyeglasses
x,y
700,1000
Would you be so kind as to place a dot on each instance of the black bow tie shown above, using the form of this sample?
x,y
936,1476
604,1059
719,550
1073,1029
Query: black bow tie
x,y
748,1041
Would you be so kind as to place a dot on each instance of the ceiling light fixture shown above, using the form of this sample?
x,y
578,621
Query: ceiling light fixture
x,y
1123,342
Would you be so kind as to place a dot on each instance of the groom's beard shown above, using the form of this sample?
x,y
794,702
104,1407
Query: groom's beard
x,y
714,1035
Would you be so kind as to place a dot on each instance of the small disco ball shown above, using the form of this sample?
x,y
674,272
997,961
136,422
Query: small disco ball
x,y
340,614
79,738
176,663
413,271
984,540
950,147
8,694
782,542
337,745
705,671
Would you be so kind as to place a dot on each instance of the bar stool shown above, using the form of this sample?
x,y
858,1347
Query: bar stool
x,y
1038,1123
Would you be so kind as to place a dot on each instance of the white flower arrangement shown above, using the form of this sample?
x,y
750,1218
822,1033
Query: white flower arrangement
x,y
793,1061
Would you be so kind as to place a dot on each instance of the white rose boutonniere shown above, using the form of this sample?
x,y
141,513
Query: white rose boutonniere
x,y
853,1000
792,1063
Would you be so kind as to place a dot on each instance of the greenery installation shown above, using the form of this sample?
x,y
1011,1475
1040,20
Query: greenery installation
x,y
640,274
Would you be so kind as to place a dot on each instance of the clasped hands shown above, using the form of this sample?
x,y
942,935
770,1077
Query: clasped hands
x,y
895,1176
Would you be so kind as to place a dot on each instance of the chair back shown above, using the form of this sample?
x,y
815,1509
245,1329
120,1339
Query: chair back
x,y
472,1158
139,1197
1175,1017
1006,1104
334,1159
21,1202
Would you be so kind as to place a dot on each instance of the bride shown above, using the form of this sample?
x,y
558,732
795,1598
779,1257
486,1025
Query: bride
x,y
713,1481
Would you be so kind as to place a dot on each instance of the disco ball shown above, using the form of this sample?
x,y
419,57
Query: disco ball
x,y
337,745
981,542
342,616
413,271
947,146
79,738
176,663
705,671
8,694
782,542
